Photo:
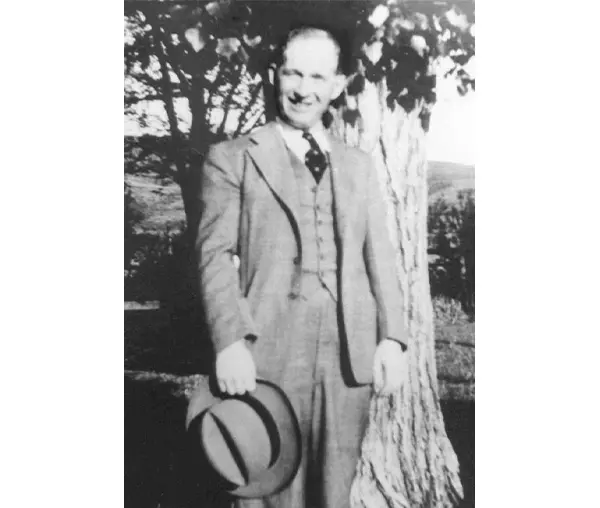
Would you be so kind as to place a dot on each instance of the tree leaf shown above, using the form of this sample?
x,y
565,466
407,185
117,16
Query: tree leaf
x,y
407,102
357,85
351,116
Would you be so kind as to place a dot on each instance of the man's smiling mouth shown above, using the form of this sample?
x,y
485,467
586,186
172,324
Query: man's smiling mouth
x,y
301,106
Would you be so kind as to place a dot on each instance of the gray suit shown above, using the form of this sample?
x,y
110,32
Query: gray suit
x,y
249,205
317,345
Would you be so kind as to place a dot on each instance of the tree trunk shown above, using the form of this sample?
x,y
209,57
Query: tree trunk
x,y
407,459
180,297
177,144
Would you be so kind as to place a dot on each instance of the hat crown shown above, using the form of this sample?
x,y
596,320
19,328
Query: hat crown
x,y
237,441
252,441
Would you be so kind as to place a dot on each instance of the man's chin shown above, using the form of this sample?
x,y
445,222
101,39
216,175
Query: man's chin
x,y
301,121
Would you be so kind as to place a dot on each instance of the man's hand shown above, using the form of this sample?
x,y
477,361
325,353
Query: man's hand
x,y
390,366
235,369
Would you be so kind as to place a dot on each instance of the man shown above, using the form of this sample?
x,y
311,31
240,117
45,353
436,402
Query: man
x,y
315,306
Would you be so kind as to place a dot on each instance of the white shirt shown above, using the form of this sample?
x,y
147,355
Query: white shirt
x,y
297,144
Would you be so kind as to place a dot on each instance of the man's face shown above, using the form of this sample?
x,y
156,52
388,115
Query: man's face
x,y
308,80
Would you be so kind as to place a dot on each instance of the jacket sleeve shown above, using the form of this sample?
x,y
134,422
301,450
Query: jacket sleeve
x,y
381,265
227,312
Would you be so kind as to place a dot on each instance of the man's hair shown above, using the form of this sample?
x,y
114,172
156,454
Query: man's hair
x,y
308,32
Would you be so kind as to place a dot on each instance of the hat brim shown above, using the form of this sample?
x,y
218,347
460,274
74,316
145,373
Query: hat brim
x,y
275,403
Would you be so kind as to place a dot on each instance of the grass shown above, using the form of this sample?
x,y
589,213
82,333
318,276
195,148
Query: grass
x,y
159,200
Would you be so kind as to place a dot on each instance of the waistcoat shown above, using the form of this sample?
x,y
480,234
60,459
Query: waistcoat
x,y
316,223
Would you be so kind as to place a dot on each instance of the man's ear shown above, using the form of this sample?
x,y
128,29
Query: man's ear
x,y
339,86
271,74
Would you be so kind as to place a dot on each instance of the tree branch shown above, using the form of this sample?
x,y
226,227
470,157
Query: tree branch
x,y
244,115
227,101
176,62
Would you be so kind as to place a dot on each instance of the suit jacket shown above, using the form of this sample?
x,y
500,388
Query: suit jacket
x,y
249,204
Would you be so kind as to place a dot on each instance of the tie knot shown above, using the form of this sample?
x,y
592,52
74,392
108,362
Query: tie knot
x,y
309,137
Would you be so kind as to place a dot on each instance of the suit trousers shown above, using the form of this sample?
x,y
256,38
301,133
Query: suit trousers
x,y
332,415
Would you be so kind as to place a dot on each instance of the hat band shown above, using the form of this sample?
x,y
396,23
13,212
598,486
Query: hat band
x,y
270,426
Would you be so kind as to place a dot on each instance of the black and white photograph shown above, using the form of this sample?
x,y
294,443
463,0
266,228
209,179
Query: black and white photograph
x,y
299,245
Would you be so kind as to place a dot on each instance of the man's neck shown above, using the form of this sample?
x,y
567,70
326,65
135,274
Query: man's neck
x,y
318,131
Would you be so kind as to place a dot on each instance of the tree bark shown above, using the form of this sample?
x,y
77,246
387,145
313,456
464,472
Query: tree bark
x,y
406,459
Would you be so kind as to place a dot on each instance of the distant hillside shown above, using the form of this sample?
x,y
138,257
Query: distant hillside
x,y
160,200
447,178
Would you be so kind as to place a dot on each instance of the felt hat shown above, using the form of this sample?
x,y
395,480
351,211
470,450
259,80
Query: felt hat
x,y
252,442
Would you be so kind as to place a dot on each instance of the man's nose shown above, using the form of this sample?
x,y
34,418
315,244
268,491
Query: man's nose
x,y
298,97
302,89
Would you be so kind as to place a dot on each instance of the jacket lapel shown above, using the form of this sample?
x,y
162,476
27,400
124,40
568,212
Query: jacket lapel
x,y
270,155
343,185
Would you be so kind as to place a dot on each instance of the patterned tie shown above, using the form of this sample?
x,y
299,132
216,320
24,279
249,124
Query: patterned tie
x,y
314,159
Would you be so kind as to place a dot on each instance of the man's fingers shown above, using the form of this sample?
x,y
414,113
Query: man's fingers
x,y
235,369
394,373
240,386
251,383
377,374
231,388
246,380
393,381
237,385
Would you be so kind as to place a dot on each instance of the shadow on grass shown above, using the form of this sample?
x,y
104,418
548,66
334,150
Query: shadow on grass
x,y
159,469
162,341
160,472
459,419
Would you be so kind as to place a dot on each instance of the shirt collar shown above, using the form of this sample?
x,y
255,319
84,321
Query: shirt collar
x,y
295,142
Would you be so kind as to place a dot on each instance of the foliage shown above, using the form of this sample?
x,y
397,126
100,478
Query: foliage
x,y
154,270
153,155
215,55
405,47
133,216
451,229
448,312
